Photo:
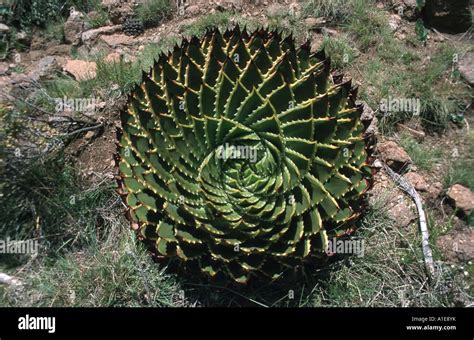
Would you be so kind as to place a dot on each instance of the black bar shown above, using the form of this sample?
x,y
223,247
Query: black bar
x,y
243,322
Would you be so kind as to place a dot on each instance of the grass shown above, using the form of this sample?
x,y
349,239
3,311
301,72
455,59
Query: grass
x,y
441,93
118,273
339,49
218,19
99,19
336,11
153,12
460,170
423,156
42,199
55,30
87,254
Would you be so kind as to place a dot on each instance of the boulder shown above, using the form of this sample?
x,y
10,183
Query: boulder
x,y
80,69
466,67
193,10
458,244
118,10
394,22
368,119
394,155
90,35
115,40
73,28
4,28
450,16
43,69
462,198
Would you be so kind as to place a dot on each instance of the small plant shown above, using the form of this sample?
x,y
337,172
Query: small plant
x,y
421,31
240,156
132,26
152,12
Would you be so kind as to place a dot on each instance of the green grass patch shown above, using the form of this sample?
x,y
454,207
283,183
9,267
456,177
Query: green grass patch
x,y
153,12
424,156
339,49
43,200
336,11
460,170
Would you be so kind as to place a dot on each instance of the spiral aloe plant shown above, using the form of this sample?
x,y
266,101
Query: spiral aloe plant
x,y
240,155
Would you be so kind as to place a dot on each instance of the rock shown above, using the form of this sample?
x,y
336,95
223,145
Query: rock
x,y
316,41
89,135
462,198
368,119
80,69
44,68
90,35
4,68
434,190
377,164
314,23
417,181
405,9
59,50
73,28
110,3
329,31
394,22
38,42
458,244
447,15
466,67
23,38
117,39
118,10
438,37
394,155
193,10
4,28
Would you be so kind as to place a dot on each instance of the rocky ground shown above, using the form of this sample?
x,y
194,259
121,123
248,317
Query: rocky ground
x,y
73,55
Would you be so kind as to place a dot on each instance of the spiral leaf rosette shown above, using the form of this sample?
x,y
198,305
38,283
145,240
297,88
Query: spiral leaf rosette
x,y
240,155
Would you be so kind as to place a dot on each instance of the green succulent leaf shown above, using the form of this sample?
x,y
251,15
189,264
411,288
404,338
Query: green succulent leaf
x,y
239,155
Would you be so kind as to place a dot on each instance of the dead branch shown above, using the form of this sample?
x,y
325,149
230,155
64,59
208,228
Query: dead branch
x,y
408,188
9,280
